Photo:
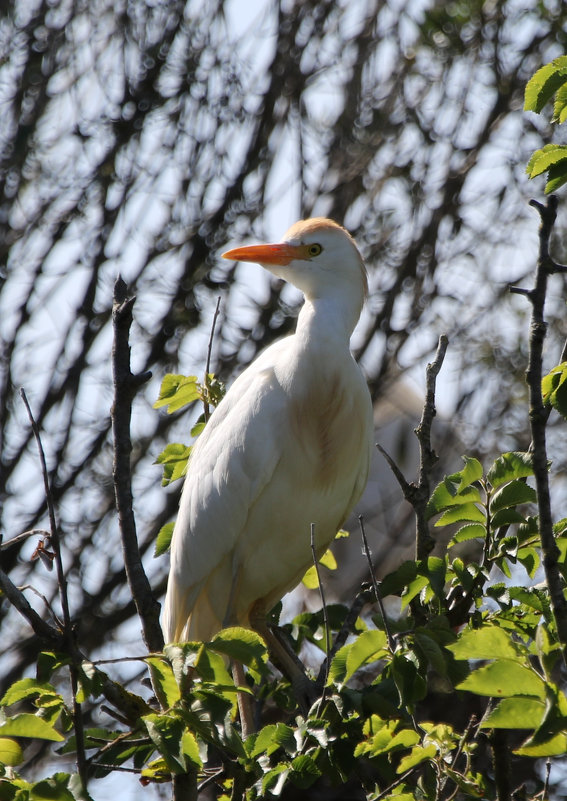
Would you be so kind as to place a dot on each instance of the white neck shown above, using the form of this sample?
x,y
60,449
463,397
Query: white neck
x,y
329,319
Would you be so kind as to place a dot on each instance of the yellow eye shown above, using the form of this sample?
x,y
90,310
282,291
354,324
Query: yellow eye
x,y
314,249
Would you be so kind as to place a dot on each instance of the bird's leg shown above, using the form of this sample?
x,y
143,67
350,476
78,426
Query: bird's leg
x,y
245,709
284,657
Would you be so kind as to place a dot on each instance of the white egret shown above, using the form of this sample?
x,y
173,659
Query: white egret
x,y
288,446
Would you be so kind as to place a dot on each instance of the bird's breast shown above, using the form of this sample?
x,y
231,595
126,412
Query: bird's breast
x,y
328,418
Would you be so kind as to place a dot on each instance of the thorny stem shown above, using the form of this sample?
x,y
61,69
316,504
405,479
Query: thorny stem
x,y
538,419
68,629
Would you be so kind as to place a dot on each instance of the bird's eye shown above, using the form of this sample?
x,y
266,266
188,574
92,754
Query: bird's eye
x,y
314,249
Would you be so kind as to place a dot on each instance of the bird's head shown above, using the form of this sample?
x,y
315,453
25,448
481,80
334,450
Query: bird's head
x,y
318,256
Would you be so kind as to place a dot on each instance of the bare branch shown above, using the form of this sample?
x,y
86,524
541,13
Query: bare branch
x,y
538,421
125,386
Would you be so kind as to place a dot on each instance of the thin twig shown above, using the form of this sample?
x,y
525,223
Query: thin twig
x,y
206,408
375,586
68,629
125,387
362,597
324,605
34,532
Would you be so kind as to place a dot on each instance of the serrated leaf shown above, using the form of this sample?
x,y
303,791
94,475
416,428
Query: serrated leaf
x,y
548,158
554,389
509,466
163,539
512,494
369,646
503,678
506,517
174,458
177,391
11,752
560,105
515,713
555,746
446,495
55,788
544,84
27,725
472,471
27,688
304,771
241,644
465,512
556,177
487,642
471,531
418,754
162,673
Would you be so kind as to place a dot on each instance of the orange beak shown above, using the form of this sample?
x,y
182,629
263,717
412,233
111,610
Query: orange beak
x,y
280,254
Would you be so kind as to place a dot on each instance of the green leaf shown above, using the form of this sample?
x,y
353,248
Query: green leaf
x,y
163,539
556,176
369,646
547,158
555,746
418,754
56,788
211,667
512,494
174,459
178,391
27,725
554,389
515,464
472,471
167,733
446,494
471,531
310,579
560,105
506,517
241,644
304,771
395,582
518,712
503,678
544,84
162,674
487,642
411,685
11,752
27,688
465,512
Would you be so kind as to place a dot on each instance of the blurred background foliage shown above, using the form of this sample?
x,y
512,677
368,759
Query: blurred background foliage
x,y
145,137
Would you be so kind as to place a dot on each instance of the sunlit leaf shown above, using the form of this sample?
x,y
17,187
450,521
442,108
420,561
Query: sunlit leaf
x,y
27,725
503,678
486,642
163,539
517,712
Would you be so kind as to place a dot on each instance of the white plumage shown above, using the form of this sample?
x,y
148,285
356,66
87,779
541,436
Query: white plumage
x,y
288,446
